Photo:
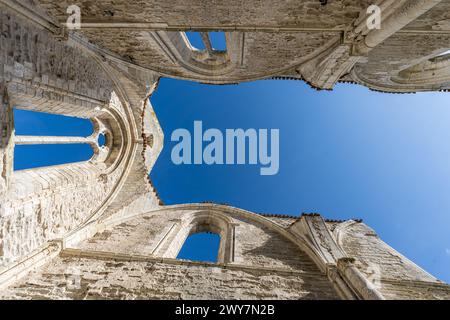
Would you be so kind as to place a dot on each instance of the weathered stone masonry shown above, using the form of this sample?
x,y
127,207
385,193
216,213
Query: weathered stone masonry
x,y
42,73
97,229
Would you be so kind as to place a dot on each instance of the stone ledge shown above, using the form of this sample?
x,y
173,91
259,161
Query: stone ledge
x,y
105,255
32,261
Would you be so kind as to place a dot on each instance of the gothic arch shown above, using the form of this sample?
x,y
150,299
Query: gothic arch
x,y
218,217
202,221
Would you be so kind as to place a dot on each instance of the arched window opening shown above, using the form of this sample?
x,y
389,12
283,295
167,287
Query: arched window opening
x,y
205,53
101,140
211,42
195,39
202,247
43,139
218,40
199,235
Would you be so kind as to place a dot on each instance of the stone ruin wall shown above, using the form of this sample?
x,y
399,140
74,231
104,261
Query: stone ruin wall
x,y
42,72
135,258
266,266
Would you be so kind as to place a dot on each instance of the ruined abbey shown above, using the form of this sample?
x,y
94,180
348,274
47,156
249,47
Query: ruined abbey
x,y
98,230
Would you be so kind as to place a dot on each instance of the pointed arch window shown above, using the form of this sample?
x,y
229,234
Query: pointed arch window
x,y
218,41
210,41
202,246
201,236
195,40
203,53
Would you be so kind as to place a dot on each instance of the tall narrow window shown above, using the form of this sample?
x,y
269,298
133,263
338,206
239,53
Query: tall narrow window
x,y
46,139
209,41
195,40
218,41
201,247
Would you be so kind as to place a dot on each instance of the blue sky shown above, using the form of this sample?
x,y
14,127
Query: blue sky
x,y
217,40
35,124
349,153
200,247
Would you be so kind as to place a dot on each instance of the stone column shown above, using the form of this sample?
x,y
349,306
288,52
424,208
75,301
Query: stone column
x,y
27,140
410,11
207,41
357,280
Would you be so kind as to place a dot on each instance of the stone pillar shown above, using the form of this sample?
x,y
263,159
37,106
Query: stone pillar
x,y
207,41
6,145
357,280
410,11
27,140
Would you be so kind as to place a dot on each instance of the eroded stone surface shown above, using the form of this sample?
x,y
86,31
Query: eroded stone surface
x,y
109,279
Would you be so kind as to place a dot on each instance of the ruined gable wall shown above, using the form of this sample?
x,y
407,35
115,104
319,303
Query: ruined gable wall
x,y
120,262
396,276
40,72
363,243
255,244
